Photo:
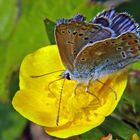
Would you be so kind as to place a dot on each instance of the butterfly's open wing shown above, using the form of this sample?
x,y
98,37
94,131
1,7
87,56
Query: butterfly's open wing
x,y
72,35
118,22
108,56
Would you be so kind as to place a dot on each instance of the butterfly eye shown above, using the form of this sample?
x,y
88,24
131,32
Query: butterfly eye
x,y
67,76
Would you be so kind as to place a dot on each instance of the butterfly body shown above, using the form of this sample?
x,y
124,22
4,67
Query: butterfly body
x,y
107,44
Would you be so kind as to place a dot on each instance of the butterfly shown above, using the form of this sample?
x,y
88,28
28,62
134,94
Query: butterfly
x,y
90,50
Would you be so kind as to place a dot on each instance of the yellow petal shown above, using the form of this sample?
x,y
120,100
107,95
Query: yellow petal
x,y
74,128
42,61
39,98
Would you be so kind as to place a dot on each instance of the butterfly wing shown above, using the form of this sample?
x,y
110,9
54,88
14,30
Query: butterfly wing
x,y
118,22
73,35
108,56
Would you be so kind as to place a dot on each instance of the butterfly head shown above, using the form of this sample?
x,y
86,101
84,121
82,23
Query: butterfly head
x,y
80,77
66,75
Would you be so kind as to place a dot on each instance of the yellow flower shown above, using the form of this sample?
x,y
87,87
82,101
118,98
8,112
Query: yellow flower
x,y
78,113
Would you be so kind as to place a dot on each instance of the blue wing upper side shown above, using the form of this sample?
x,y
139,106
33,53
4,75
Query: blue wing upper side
x,y
118,22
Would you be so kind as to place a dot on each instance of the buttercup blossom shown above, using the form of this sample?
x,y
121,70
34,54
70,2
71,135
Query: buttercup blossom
x,y
38,98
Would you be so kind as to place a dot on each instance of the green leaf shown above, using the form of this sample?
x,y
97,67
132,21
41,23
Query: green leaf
x,y
94,134
11,123
50,26
8,18
118,128
28,35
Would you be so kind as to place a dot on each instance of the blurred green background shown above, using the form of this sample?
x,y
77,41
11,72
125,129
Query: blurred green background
x,y
23,30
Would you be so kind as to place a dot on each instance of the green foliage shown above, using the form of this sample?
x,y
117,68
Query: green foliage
x,y
96,134
118,128
11,123
50,27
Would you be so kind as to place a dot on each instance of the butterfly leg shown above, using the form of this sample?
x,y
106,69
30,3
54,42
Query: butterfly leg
x,y
78,84
87,90
115,94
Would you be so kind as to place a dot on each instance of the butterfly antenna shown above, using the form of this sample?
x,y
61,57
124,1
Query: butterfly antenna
x,y
115,94
60,100
52,83
37,76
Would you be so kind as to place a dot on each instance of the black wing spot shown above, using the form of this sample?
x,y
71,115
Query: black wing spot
x,y
74,33
123,54
136,41
129,36
121,65
107,60
62,31
81,34
119,48
86,38
90,41
69,31
83,59
74,52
